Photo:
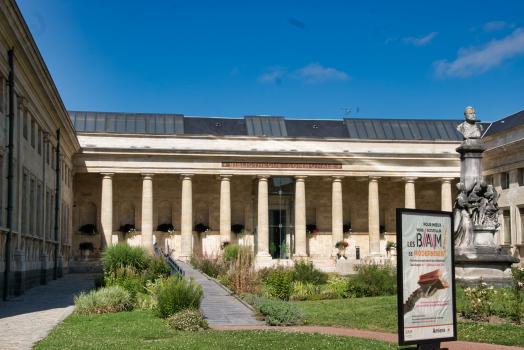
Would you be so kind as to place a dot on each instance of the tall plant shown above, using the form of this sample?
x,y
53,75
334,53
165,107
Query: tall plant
x,y
123,255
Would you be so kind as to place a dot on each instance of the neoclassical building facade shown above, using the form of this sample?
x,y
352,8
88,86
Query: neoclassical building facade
x,y
271,175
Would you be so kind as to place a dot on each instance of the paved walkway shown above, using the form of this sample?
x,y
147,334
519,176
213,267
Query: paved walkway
x,y
220,308
458,345
26,319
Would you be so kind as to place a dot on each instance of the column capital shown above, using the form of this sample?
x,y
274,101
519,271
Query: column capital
x,y
409,179
147,176
337,178
263,177
186,176
300,178
224,177
107,175
446,179
373,178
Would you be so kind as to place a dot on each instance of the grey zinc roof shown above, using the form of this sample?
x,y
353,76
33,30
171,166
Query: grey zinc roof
x,y
214,126
403,129
316,128
504,123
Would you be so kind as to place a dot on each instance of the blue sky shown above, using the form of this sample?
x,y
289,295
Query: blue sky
x,y
298,59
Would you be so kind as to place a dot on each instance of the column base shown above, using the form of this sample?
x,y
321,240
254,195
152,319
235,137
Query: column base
x,y
262,260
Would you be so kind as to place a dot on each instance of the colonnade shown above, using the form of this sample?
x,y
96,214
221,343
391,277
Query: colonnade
x,y
263,222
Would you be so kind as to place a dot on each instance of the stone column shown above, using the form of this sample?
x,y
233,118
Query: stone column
x,y
187,217
373,217
107,208
300,217
147,211
337,216
225,208
409,192
263,221
447,203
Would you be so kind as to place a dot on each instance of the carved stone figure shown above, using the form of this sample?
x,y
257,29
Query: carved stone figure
x,y
461,209
469,129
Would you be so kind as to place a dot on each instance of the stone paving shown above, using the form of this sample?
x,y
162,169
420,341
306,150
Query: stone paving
x,y
219,306
26,319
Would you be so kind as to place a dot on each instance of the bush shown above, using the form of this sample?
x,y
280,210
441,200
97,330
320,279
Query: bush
x,y
178,294
301,291
306,273
102,301
123,255
186,320
280,281
280,313
166,228
211,265
340,286
242,276
480,299
99,282
127,278
374,280
238,229
231,252
88,229
156,267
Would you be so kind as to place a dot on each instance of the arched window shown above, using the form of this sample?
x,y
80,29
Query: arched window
x,y
165,213
126,213
201,214
238,215
88,214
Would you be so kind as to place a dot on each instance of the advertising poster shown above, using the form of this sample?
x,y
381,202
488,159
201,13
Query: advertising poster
x,y
426,276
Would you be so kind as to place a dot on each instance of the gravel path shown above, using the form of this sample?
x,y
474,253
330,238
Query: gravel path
x,y
219,306
26,319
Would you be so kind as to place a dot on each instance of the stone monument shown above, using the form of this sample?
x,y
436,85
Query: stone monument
x,y
477,215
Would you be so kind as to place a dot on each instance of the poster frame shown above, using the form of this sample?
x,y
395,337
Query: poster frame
x,y
400,278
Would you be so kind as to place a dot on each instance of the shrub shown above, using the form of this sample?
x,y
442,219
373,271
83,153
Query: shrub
x,y
340,286
99,282
211,265
241,276
480,299
238,229
306,273
123,255
300,291
280,313
374,280
186,320
280,281
156,267
178,294
102,301
127,278
231,252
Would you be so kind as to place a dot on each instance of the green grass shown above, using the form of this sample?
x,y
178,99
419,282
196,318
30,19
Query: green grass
x,y
141,330
380,314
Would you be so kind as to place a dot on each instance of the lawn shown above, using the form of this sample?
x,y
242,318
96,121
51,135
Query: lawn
x,y
380,314
142,330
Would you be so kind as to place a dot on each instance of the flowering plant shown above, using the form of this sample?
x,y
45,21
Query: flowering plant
x,y
480,299
225,244
199,228
390,245
127,229
346,228
86,246
341,245
238,229
167,228
311,229
88,229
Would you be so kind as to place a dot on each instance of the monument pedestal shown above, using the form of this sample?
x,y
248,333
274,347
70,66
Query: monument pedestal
x,y
492,263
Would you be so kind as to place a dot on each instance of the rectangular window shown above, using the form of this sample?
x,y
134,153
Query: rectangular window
x,y
39,141
47,148
505,181
33,133
520,177
25,124
521,225
507,227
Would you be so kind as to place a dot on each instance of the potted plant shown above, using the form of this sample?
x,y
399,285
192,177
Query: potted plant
x,y
391,246
347,228
225,244
341,245
127,229
311,229
85,248
88,229
238,229
382,229
166,228
272,248
199,228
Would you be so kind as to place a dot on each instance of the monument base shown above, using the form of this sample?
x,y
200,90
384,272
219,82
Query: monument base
x,y
492,263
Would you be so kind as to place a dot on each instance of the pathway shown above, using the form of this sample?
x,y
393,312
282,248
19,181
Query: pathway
x,y
219,306
26,319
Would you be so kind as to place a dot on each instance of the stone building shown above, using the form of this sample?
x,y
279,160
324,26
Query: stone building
x,y
271,175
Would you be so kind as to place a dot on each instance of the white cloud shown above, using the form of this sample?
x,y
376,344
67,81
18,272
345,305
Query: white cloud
x,y
424,40
478,59
496,25
315,73
310,74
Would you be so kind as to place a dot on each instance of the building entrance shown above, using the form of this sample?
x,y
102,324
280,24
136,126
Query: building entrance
x,y
281,207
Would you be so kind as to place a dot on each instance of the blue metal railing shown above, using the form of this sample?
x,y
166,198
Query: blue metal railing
x,y
175,268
